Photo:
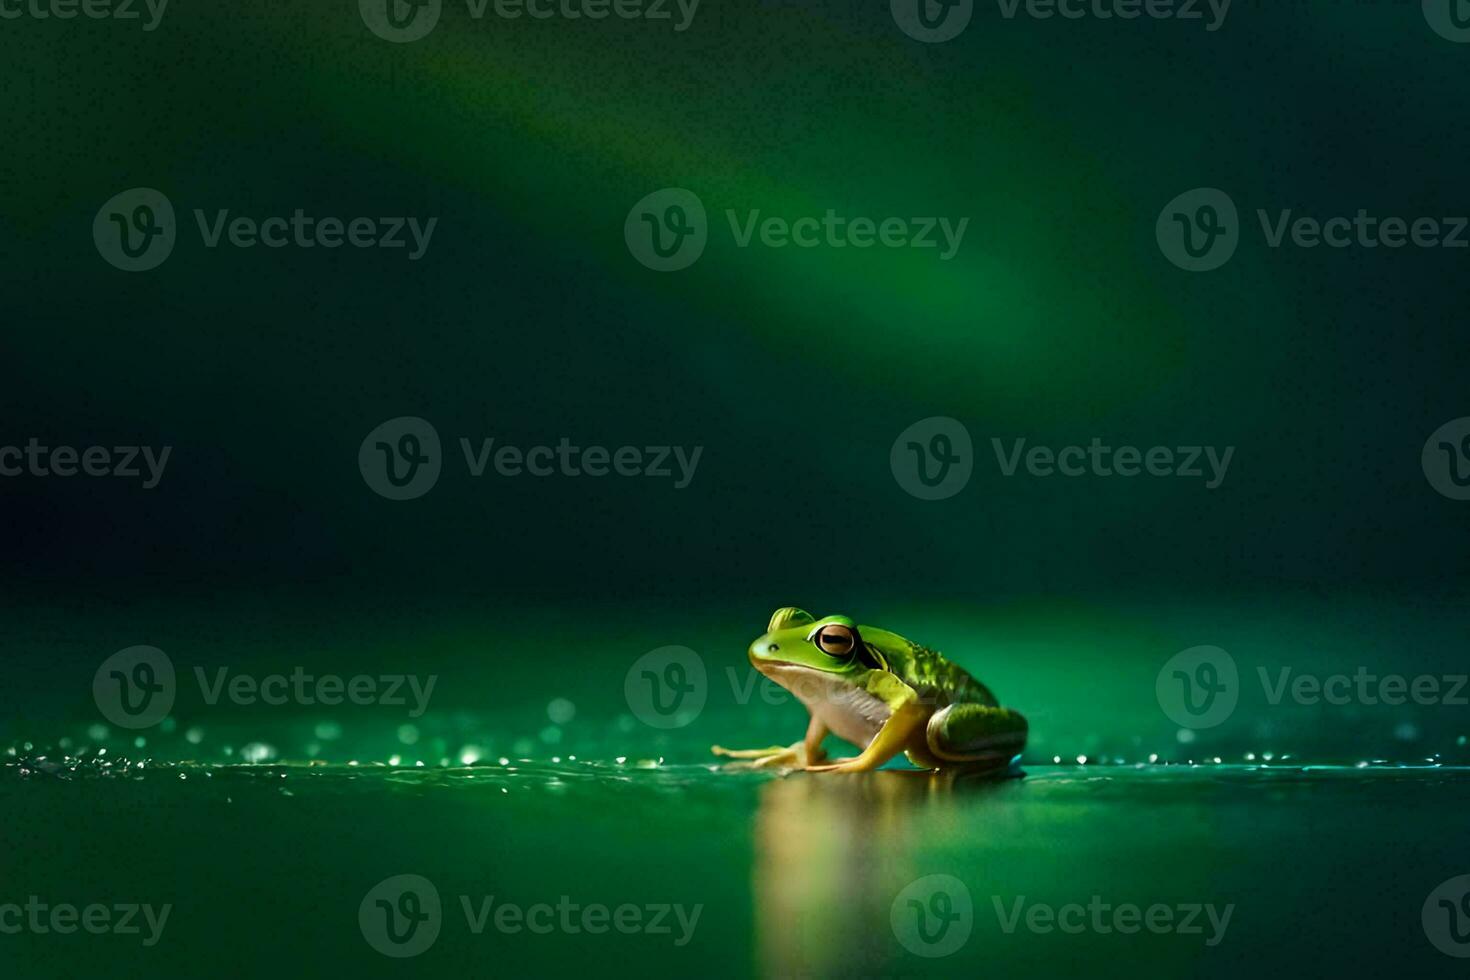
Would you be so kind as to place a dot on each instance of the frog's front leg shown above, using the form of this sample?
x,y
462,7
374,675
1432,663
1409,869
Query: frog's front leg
x,y
802,753
907,717
816,730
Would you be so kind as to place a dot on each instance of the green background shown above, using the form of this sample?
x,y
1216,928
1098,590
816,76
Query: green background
x,y
528,321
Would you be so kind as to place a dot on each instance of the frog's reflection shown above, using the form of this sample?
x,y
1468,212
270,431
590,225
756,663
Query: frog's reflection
x,y
833,852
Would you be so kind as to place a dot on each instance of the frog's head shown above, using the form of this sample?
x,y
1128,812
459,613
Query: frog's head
x,y
794,638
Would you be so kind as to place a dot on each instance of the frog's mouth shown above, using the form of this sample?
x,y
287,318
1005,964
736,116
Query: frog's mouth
x,y
764,665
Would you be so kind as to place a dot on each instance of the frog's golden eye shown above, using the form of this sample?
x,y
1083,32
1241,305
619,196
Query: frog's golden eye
x,y
836,640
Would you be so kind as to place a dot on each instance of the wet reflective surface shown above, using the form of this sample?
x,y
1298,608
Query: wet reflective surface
x,y
535,783
1280,868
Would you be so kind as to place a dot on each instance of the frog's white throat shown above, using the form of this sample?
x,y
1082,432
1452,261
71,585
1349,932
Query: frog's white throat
x,y
849,711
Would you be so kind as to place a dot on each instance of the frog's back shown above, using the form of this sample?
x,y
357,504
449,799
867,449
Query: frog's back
x,y
937,679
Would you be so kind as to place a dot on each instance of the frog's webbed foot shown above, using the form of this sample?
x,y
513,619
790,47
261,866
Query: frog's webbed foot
x,y
793,756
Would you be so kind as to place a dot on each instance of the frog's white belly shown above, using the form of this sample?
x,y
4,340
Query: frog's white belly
x,y
851,713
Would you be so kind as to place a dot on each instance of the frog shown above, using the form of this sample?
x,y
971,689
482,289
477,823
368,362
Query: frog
x,y
883,693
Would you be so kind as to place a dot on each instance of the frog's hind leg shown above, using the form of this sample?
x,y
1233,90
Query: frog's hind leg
x,y
974,735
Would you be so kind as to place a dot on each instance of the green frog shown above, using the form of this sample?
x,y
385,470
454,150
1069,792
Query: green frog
x,y
881,692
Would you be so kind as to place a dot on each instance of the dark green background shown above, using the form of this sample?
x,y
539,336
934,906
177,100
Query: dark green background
x,y
528,321
795,369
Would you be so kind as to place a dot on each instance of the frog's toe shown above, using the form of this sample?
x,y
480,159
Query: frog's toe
x,y
747,753
777,756
842,765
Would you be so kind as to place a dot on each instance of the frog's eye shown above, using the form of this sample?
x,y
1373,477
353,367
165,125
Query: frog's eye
x,y
836,640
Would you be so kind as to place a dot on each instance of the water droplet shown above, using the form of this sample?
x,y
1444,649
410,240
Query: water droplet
x,y
561,711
